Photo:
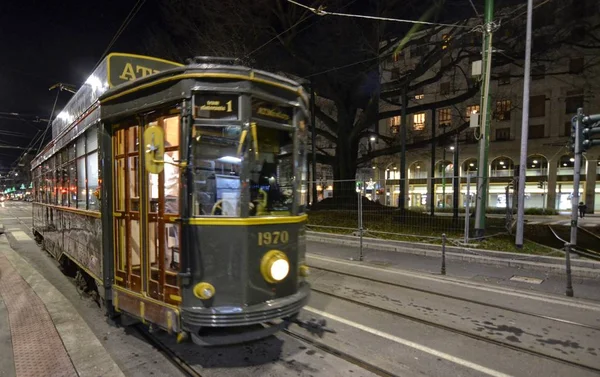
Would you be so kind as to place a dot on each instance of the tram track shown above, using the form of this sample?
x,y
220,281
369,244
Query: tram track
x,y
339,354
462,299
188,370
457,331
168,353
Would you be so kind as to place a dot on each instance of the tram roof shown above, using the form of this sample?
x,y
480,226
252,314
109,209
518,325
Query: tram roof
x,y
206,71
118,77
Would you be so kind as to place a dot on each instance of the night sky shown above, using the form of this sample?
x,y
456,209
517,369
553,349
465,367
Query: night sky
x,y
45,42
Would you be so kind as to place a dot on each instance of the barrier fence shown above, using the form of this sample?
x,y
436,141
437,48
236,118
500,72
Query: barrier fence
x,y
416,207
437,211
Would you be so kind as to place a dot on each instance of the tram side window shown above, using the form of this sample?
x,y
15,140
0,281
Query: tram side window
x,y
72,172
81,194
52,180
92,181
272,173
217,168
81,180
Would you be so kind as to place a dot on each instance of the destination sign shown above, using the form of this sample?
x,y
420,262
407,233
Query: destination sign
x,y
126,67
216,106
269,111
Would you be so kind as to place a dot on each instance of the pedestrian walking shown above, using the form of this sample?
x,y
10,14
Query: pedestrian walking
x,y
582,209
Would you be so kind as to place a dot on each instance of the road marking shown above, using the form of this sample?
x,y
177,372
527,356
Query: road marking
x,y
408,343
12,229
487,288
526,279
21,236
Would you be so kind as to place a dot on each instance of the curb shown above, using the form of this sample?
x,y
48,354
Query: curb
x,y
579,268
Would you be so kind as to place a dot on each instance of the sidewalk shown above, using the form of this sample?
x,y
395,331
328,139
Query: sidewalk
x,y
41,333
498,272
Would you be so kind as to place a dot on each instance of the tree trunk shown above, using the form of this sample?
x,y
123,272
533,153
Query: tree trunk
x,y
344,170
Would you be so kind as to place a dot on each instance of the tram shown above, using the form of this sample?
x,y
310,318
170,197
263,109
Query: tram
x,y
175,193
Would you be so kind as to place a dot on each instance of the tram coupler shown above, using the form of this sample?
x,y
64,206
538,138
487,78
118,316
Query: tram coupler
x,y
314,326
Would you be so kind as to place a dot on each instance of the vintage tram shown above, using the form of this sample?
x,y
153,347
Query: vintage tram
x,y
176,193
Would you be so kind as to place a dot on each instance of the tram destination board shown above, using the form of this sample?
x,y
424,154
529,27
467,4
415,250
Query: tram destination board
x,y
216,106
265,110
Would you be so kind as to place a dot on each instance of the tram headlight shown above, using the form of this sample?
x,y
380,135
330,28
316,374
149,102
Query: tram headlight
x,y
274,266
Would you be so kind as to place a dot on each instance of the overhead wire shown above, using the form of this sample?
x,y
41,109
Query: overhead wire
x,y
322,12
291,27
138,5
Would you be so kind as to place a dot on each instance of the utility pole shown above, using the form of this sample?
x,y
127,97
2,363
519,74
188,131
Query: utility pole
x,y
524,132
455,181
313,136
404,125
431,188
484,142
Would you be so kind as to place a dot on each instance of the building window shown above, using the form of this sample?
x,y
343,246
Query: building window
x,y
503,134
538,72
536,131
394,124
445,88
503,110
472,110
504,78
576,65
445,41
445,115
419,121
574,101
537,106
419,93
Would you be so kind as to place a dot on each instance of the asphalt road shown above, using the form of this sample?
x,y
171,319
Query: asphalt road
x,y
387,322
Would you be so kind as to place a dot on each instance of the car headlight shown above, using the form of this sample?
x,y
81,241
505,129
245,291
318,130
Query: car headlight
x,y
274,266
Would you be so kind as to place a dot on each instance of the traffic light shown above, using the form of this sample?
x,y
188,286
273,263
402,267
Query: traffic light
x,y
590,127
576,134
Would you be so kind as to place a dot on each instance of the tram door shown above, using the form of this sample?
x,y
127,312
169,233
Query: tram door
x,y
161,212
126,208
146,209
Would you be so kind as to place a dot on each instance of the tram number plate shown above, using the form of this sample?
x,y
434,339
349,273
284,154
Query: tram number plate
x,y
273,238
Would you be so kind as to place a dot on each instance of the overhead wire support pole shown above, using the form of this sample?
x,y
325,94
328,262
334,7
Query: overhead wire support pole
x,y
484,142
524,133
576,176
313,139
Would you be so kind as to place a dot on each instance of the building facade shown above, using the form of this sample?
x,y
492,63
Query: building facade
x,y
565,76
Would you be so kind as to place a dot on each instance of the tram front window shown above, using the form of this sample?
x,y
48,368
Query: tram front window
x,y
271,172
216,172
265,159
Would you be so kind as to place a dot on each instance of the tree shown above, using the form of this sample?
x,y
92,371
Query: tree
x,y
342,56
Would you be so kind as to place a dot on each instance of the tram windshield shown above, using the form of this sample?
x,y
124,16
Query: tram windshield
x,y
225,157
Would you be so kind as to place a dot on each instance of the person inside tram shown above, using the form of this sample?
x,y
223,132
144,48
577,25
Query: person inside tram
x,y
171,195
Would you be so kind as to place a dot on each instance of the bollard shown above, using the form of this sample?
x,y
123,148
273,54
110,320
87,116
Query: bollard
x,y
444,254
360,228
569,291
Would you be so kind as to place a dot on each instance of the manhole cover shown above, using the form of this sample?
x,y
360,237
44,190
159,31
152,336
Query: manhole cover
x,y
526,279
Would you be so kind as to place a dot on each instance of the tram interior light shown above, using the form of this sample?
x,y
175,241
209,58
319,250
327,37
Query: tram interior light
x,y
63,115
96,84
230,160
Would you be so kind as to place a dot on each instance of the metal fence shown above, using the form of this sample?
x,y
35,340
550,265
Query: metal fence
x,y
417,207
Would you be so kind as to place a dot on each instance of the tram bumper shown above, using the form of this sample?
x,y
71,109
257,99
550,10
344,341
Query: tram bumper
x,y
236,324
